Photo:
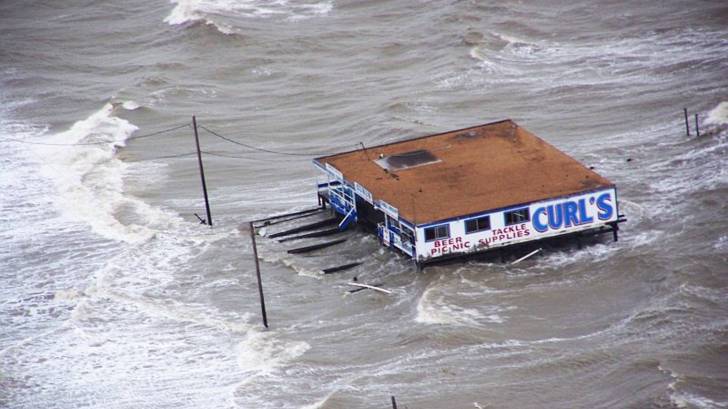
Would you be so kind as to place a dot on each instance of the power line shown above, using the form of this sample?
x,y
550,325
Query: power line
x,y
54,144
96,143
181,155
249,156
310,154
230,155
158,132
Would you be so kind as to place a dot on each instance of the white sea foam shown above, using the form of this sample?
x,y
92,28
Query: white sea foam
x,y
683,399
186,11
433,309
183,12
721,243
710,294
89,179
593,253
319,403
615,63
130,105
718,115
689,400
262,352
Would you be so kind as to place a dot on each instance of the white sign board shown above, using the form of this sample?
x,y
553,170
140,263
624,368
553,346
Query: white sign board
x,y
335,172
545,219
363,193
389,209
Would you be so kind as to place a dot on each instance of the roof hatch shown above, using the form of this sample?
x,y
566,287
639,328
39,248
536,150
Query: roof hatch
x,y
406,160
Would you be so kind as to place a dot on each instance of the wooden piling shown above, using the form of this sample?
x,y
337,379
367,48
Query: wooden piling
x,y
257,273
394,403
697,127
202,172
687,124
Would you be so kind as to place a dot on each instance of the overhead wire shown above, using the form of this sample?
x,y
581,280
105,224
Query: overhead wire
x,y
249,155
158,132
181,155
96,143
259,149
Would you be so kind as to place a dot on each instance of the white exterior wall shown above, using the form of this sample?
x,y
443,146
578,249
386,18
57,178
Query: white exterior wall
x,y
585,211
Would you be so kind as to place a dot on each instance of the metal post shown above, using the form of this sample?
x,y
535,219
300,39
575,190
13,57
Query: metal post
x,y
697,128
257,273
202,172
687,124
394,403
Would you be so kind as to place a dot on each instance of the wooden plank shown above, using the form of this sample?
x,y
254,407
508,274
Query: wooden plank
x,y
356,290
315,247
370,287
266,223
312,226
280,216
337,269
321,233
527,256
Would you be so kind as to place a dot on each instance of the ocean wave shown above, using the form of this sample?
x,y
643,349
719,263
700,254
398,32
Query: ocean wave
x,y
433,309
718,115
263,352
190,11
211,12
89,178
683,399
574,66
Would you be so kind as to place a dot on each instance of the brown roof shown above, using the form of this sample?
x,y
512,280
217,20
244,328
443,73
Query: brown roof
x,y
481,168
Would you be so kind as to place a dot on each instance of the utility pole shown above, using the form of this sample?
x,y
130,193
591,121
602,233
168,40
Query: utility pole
x,y
257,273
202,172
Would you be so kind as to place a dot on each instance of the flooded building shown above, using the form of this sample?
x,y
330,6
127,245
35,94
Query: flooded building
x,y
467,191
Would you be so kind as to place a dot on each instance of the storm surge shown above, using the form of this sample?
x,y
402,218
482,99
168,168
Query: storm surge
x,y
113,295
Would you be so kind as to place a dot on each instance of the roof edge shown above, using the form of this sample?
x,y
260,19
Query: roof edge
x,y
414,139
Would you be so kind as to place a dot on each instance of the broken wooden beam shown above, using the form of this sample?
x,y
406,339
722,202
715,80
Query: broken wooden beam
x,y
307,249
527,256
337,269
370,287
320,233
312,226
356,290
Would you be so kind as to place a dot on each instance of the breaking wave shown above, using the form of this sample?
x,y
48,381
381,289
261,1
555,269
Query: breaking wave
x,y
432,308
89,178
212,12
718,115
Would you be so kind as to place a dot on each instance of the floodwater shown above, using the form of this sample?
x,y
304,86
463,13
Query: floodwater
x,y
113,296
